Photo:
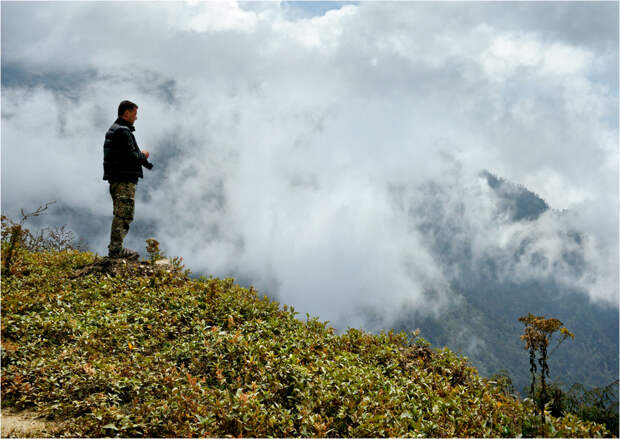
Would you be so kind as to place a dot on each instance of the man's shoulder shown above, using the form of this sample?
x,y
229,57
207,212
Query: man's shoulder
x,y
119,127
120,132
121,124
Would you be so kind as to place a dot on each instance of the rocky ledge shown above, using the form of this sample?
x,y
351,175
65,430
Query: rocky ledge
x,y
120,266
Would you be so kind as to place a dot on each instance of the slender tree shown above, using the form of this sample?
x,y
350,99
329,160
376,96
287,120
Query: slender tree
x,y
537,337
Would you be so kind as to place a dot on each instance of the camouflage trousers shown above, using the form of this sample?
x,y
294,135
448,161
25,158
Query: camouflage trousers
x,y
123,199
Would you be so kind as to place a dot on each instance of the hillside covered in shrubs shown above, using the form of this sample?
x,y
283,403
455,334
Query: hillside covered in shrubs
x,y
155,353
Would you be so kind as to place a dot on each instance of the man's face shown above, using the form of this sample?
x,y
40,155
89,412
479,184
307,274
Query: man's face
x,y
131,115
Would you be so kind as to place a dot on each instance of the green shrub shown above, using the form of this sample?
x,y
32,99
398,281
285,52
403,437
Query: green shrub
x,y
113,356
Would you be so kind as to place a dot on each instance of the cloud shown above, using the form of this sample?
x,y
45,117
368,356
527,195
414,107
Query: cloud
x,y
279,141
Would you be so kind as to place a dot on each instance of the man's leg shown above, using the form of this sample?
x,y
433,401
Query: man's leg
x,y
123,200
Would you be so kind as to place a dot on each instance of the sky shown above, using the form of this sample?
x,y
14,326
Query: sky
x,y
295,143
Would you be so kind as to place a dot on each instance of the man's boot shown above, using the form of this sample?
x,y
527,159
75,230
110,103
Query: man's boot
x,y
123,253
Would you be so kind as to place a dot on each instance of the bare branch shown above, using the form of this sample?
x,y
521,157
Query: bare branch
x,y
37,212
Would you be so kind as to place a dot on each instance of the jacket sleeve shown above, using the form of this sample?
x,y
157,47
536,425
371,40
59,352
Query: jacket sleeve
x,y
133,149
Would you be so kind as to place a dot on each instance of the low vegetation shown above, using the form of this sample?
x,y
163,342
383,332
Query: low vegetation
x,y
166,356
157,354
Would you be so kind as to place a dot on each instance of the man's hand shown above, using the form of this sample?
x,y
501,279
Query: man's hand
x,y
147,164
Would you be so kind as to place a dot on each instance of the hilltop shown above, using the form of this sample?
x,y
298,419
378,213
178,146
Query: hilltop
x,y
152,352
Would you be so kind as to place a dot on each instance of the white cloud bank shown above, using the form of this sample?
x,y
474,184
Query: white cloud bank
x,y
276,140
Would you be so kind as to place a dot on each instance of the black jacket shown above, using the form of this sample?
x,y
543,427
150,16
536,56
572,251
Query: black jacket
x,y
122,159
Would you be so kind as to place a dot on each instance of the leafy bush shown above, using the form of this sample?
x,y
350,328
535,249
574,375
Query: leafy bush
x,y
598,404
128,356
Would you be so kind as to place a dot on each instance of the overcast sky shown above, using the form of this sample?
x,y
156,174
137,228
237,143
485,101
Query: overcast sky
x,y
279,132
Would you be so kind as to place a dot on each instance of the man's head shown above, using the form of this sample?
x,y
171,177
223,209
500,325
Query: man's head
x,y
128,110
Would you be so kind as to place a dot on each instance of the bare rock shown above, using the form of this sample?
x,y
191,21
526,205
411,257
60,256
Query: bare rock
x,y
120,266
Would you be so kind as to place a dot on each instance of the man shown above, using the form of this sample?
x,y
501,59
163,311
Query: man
x,y
122,166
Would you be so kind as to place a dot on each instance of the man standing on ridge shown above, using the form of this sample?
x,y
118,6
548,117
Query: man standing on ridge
x,y
122,166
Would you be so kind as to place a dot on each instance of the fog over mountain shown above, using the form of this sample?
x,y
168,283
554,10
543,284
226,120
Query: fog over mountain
x,y
533,259
370,156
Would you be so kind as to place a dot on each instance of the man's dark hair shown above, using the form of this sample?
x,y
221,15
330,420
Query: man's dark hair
x,y
124,106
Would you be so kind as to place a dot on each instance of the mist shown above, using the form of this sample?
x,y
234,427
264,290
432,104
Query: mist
x,y
305,155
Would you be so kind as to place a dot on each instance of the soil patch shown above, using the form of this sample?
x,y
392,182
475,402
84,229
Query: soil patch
x,y
24,424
